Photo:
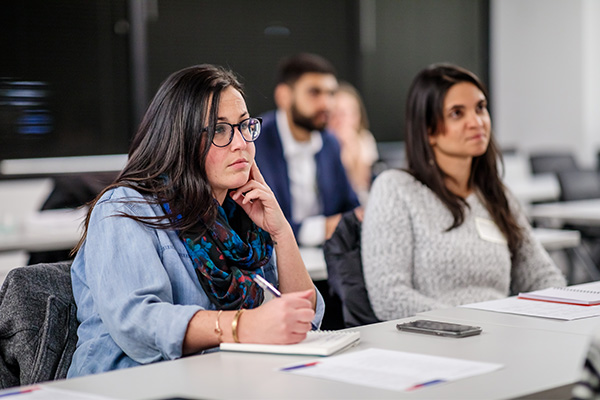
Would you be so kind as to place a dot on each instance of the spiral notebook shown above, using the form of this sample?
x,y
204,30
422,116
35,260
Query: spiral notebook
x,y
317,343
566,295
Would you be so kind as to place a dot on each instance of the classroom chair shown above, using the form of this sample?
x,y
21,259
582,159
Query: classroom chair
x,y
583,185
345,274
579,184
588,386
70,191
38,324
552,162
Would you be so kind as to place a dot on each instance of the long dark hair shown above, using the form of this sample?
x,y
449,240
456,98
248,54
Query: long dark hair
x,y
424,117
167,155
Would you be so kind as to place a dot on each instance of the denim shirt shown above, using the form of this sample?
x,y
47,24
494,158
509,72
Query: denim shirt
x,y
136,289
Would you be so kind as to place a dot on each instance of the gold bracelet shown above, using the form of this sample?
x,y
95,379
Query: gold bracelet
x,y
218,329
234,324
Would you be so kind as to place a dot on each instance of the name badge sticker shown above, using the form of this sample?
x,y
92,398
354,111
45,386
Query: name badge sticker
x,y
489,231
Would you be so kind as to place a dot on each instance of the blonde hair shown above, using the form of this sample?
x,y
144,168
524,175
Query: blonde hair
x,y
346,87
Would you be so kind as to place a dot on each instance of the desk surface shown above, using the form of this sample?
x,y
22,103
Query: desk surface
x,y
583,326
45,230
61,229
581,212
63,165
534,360
314,260
533,188
557,239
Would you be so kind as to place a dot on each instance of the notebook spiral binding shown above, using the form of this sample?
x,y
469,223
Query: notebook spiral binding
x,y
579,290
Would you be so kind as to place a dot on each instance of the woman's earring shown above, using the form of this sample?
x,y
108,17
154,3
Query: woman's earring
x,y
431,162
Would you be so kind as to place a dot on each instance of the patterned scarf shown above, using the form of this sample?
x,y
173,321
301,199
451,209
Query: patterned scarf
x,y
228,256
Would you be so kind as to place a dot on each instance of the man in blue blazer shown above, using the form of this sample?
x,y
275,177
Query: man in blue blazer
x,y
299,159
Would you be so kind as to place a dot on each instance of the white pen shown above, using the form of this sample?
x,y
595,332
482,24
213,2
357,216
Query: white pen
x,y
263,283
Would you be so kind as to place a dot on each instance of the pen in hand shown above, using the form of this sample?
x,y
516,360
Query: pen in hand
x,y
263,283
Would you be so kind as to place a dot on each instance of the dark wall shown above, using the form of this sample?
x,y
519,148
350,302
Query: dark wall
x,y
63,78
410,35
77,56
250,37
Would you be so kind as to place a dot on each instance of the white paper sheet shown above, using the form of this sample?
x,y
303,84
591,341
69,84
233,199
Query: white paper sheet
x,y
46,393
392,370
513,305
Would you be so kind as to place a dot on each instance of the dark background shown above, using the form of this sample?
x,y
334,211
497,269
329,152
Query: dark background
x,y
74,79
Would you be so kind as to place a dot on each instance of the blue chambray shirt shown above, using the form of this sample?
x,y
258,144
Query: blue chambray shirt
x,y
136,289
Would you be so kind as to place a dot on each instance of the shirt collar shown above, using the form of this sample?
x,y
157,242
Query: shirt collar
x,y
291,145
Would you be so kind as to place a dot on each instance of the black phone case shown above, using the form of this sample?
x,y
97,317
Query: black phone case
x,y
474,330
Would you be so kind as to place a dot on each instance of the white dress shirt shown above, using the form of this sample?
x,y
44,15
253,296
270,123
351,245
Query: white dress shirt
x,y
302,174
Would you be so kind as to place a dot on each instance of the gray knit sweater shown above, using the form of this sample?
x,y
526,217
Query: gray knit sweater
x,y
411,264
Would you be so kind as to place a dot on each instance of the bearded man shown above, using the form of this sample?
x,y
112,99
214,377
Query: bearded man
x,y
298,157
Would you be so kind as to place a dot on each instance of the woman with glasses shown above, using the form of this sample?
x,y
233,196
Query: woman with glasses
x,y
170,252
446,231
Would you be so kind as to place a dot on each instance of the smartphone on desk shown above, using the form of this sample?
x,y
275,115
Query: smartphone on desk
x,y
439,328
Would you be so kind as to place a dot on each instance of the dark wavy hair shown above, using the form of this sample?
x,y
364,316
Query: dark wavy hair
x,y
167,156
424,117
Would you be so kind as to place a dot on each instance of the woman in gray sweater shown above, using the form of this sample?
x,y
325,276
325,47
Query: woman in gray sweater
x,y
446,231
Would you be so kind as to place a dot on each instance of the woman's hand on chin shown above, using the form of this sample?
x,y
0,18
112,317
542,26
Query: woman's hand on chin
x,y
259,202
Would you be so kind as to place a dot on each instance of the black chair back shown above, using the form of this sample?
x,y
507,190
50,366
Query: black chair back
x,y
579,185
552,162
345,273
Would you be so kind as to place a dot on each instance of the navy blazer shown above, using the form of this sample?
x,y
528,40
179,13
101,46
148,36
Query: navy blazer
x,y
335,192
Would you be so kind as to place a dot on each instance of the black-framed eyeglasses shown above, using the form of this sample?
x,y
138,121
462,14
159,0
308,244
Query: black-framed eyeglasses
x,y
249,128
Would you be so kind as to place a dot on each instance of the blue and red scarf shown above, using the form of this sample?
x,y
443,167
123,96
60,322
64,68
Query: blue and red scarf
x,y
228,256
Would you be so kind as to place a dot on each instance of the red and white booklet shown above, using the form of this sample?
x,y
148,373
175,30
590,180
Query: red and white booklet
x,y
566,295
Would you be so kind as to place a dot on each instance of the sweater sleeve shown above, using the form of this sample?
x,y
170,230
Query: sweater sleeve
x,y
388,252
532,267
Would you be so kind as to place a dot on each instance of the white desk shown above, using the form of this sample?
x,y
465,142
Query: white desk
x,y
21,197
534,360
557,239
63,165
581,212
61,229
45,230
525,185
551,239
532,188
583,326
314,260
